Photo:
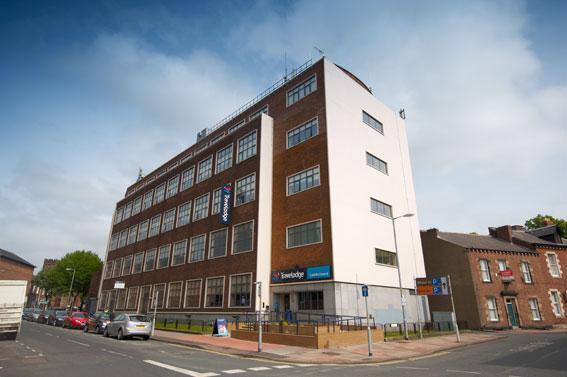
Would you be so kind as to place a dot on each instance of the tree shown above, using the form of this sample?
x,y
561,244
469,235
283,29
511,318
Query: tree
x,y
544,220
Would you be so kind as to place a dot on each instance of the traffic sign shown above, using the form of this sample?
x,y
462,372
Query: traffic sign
x,y
365,291
436,286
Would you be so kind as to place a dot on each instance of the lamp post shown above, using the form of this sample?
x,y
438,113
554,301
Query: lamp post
x,y
259,291
402,301
71,287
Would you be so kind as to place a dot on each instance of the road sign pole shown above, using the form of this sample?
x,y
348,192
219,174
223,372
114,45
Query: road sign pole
x,y
418,305
454,314
369,331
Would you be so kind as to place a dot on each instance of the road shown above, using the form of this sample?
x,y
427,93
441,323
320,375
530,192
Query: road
x,y
55,352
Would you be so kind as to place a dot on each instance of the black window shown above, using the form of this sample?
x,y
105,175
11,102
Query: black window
x,y
310,300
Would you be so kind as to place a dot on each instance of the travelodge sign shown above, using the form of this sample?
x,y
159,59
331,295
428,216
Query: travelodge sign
x,y
225,214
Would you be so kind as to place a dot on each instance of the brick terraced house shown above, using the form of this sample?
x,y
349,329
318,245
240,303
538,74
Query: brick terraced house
x,y
296,190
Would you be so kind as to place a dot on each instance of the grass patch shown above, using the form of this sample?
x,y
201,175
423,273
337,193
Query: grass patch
x,y
185,327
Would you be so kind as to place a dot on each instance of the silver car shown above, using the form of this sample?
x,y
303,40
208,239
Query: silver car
x,y
127,325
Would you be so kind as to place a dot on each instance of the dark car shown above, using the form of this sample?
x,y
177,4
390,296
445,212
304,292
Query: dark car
x,y
26,314
97,322
43,315
34,315
75,320
57,317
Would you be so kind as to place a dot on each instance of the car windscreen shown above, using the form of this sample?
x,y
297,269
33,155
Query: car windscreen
x,y
104,316
61,312
139,318
79,315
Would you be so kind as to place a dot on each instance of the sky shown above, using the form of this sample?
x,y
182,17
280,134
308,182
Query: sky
x,y
92,91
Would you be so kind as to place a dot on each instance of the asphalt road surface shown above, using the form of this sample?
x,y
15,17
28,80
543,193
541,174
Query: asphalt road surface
x,y
55,352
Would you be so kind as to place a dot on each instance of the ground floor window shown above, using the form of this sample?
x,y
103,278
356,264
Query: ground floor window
x,y
310,300
103,299
121,299
174,295
159,296
215,292
240,287
556,303
193,293
492,309
132,302
534,308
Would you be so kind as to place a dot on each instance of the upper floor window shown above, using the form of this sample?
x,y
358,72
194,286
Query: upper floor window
x,y
137,207
117,268
224,159
380,208
154,225
118,216
138,260
163,256
127,265
168,220
526,272
372,122
187,178
160,194
236,126
484,270
123,238
150,261
205,169
201,209
302,90
197,252
132,234
242,237
245,189
263,110
556,303
127,211
148,196
184,214
553,265
502,266
217,243
303,180
143,231
386,257
109,268
376,163
179,253
304,234
172,186
114,242
246,147
216,201
301,133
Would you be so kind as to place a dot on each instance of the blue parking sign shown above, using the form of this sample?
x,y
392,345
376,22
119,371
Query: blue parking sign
x,y
365,291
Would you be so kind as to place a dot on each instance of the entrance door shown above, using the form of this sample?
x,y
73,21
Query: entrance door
x,y
287,305
512,312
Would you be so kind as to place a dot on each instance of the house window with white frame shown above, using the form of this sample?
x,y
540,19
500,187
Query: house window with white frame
x,y
154,225
263,110
168,220
187,178
236,126
386,257
302,133
502,266
216,201
163,256
127,211
174,294
137,207
150,262
183,214
380,208
304,234
303,181
224,159
118,215
302,90
243,237
148,197
526,272
127,265
159,194
376,163
172,187
121,299
159,293
372,122
179,253
246,147
484,270
138,263
217,243
205,169
197,252
215,292
109,268
193,293
556,303
132,234
114,242
123,238
132,301
534,308
143,231
492,309
240,289
245,190
201,209
117,268
553,265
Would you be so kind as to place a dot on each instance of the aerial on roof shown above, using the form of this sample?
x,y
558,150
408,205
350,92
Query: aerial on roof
x,y
482,242
13,257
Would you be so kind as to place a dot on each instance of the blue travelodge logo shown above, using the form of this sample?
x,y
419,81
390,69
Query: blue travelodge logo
x,y
225,214
302,274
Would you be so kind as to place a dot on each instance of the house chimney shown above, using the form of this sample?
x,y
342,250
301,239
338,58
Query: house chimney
x,y
434,232
520,228
503,232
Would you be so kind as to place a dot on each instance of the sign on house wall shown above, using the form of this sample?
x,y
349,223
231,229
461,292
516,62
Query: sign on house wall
x,y
225,214
302,274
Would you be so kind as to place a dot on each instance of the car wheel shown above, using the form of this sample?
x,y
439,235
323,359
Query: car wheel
x,y
120,336
97,330
146,337
106,334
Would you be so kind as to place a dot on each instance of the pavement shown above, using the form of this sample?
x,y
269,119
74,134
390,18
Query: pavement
x,y
47,351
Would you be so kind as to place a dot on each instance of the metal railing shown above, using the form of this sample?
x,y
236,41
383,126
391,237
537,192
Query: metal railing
x,y
397,329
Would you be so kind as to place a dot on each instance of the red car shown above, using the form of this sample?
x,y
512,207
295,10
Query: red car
x,y
76,320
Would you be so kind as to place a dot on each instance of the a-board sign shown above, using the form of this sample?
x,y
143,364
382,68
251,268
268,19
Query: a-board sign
x,y
220,328
432,286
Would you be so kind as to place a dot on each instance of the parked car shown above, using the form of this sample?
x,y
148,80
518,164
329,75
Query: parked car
x,y
75,320
26,314
43,315
97,322
34,315
57,317
127,325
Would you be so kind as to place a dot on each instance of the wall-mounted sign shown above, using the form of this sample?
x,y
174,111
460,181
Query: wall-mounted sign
x,y
365,291
302,274
507,276
432,286
119,285
225,214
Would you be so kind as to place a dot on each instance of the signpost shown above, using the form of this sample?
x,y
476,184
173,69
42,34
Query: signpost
x,y
259,289
156,298
365,295
438,286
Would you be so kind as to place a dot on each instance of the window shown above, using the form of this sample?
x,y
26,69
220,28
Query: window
x,y
143,232
534,308
160,194
376,163
114,242
224,159
303,180
372,122
168,220
245,190
242,237
150,262
183,214
172,186
553,265
492,309
304,234
526,272
236,126
187,178
159,293
246,147
302,90
163,256
556,303
302,133
103,298
217,243
154,225
179,253
216,201
132,302
148,196
484,271
174,294
109,267
137,207
121,299
386,257
502,265
310,300
205,169
263,110
123,238
240,288
127,211
118,215
117,267
193,293
380,208
197,248
138,261
127,265
214,292
201,209
132,234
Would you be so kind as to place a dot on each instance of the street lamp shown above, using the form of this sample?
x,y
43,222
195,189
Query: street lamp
x,y
400,274
71,287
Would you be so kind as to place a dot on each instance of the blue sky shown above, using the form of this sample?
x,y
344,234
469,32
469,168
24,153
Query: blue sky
x,y
91,92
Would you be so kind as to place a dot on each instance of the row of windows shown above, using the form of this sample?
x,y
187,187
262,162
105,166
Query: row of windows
x,y
534,307
245,192
246,148
188,250
173,296
525,268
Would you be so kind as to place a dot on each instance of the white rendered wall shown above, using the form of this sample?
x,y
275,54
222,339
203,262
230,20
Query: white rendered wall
x,y
356,231
264,252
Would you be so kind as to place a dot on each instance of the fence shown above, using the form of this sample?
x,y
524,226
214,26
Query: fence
x,y
397,329
185,324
